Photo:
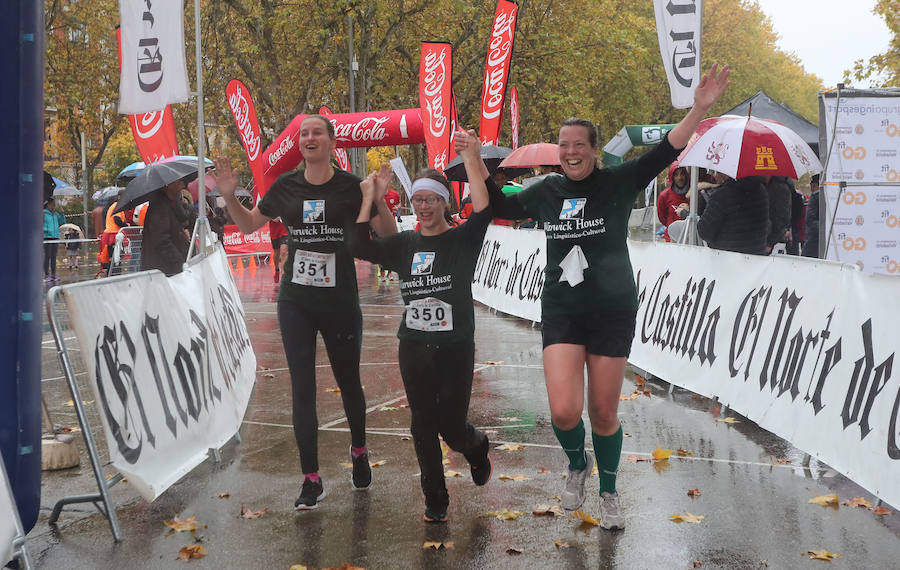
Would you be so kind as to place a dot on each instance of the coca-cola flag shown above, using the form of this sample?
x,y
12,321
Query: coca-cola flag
x,y
154,72
435,82
454,125
678,29
154,132
340,155
514,116
241,104
496,70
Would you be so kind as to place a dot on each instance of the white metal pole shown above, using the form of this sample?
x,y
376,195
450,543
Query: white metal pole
x,y
201,132
84,184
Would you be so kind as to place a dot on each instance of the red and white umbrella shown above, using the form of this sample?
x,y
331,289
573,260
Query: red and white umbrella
x,y
748,146
532,156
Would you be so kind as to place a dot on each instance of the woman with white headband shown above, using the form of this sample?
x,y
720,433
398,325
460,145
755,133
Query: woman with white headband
x,y
437,348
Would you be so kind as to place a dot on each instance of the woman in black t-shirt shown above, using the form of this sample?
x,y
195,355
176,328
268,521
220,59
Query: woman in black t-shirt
x,y
318,292
436,334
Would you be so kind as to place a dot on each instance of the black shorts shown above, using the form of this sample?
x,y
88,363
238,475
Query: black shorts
x,y
278,242
604,333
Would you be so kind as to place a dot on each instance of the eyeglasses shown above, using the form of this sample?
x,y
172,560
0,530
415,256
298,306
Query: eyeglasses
x,y
430,200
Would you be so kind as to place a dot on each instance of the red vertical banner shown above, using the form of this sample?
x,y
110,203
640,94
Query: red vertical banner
x,y
496,70
241,104
435,95
154,132
514,116
340,154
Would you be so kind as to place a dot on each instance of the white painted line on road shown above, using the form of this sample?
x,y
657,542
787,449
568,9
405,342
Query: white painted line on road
x,y
61,377
252,423
368,411
329,366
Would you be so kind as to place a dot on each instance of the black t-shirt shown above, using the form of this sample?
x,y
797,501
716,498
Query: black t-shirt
x,y
319,273
435,277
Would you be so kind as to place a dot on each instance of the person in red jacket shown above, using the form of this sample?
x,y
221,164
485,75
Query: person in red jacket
x,y
279,238
676,194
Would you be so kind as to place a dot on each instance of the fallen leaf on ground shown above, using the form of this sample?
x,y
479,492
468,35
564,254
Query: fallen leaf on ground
x,y
182,525
628,397
857,502
638,459
882,511
71,404
504,514
347,464
192,551
546,510
512,478
822,555
513,551
697,564
543,470
445,461
437,545
687,517
825,500
223,495
586,518
268,375
595,470
684,452
511,447
626,434
298,567
332,389
661,454
727,420
560,544
510,419
644,392
404,438
694,493
403,406
346,566
445,449
248,513
389,408
639,381
377,463
493,362
779,460
452,474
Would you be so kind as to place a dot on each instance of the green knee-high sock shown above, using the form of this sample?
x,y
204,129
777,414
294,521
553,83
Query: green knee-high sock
x,y
572,442
608,450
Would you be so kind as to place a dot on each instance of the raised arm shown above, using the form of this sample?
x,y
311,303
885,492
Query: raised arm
x,y
384,223
470,150
248,221
502,206
708,91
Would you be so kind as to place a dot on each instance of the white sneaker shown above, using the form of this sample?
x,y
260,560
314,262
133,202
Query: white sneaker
x,y
611,512
573,496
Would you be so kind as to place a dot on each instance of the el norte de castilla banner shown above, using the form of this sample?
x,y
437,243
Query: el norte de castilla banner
x,y
803,347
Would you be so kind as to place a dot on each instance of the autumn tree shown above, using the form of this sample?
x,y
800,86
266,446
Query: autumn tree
x,y
882,70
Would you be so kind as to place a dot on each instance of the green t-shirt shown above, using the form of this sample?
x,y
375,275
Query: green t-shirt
x,y
319,272
436,275
592,213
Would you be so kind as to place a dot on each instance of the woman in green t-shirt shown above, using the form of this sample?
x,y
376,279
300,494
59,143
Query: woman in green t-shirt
x,y
437,349
589,301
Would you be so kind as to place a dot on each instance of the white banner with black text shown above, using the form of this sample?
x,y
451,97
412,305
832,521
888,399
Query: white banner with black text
x,y
678,29
170,364
509,275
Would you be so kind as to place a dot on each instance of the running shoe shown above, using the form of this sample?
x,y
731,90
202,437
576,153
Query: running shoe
x,y
435,514
573,496
277,275
310,494
362,471
481,472
611,512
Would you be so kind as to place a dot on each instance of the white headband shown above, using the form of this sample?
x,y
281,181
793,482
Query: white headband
x,y
432,186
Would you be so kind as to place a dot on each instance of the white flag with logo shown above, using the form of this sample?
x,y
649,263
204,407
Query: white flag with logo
x,y
154,71
678,29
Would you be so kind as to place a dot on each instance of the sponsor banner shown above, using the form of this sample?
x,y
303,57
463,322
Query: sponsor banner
x,y
866,135
509,275
678,29
496,70
153,132
866,227
340,155
369,128
153,71
435,96
235,242
8,525
244,112
454,125
514,116
804,348
170,365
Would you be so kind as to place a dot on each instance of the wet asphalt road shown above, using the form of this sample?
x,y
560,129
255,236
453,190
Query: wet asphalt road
x,y
756,509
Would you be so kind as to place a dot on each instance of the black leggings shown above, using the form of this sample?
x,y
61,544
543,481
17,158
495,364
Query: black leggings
x,y
342,334
438,382
50,250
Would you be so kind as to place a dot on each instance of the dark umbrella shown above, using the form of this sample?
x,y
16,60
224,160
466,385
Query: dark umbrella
x,y
492,156
155,177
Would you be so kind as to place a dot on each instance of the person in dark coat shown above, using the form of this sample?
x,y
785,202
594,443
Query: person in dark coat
x,y
779,190
165,240
811,245
736,217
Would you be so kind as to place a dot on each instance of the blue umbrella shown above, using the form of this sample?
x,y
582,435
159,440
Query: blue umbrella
x,y
63,188
132,170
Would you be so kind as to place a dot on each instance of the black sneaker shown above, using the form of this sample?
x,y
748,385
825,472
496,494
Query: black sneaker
x,y
435,514
310,494
481,473
362,471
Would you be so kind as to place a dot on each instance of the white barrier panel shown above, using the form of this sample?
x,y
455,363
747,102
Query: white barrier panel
x,y
170,364
509,275
8,528
804,348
